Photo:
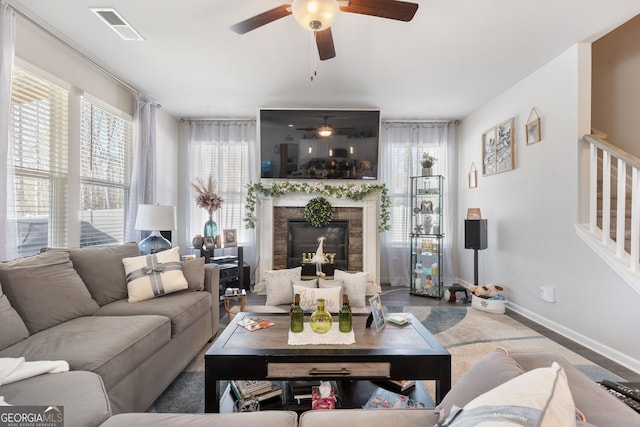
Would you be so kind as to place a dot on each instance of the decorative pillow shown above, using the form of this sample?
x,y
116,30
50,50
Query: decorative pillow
x,y
540,397
154,275
278,283
355,285
193,271
329,283
13,328
475,380
313,283
45,290
101,270
309,296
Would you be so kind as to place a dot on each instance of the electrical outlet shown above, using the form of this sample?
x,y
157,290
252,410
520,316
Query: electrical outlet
x,y
548,293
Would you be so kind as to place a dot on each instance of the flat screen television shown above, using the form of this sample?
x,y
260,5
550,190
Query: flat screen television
x,y
319,143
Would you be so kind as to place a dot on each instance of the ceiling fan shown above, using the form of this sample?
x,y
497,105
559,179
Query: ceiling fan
x,y
325,130
317,16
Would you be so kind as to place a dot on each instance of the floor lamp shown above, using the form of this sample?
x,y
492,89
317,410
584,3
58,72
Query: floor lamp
x,y
155,218
475,237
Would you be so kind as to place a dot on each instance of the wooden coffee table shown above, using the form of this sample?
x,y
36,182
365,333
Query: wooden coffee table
x,y
406,352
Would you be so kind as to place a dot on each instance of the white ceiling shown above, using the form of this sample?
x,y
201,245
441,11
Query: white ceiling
x,y
453,57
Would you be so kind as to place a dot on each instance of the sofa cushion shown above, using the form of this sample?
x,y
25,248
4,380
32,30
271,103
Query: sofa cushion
x,y
278,283
368,417
540,397
13,328
45,290
261,419
154,275
309,296
355,285
183,308
81,393
101,269
476,381
193,270
110,346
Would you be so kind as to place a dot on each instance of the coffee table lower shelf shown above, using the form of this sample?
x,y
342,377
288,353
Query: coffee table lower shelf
x,y
352,394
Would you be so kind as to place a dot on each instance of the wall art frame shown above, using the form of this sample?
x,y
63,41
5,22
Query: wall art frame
x,y
532,128
473,176
498,148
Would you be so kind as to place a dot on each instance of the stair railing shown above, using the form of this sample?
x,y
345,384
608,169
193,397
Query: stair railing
x,y
601,156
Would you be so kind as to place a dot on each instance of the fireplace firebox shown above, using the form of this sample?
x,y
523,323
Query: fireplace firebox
x,y
302,243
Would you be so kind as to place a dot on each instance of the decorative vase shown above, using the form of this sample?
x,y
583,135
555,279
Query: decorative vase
x,y
197,242
211,229
320,320
426,172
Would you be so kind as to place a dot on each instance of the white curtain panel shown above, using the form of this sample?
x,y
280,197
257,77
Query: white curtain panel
x,y
227,150
403,144
144,159
7,210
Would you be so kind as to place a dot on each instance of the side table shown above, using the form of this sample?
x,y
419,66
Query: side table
x,y
242,297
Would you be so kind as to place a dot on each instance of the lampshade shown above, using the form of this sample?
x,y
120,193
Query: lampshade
x,y
315,15
155,218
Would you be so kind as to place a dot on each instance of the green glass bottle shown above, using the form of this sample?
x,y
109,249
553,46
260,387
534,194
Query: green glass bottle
x,y
297,315
320,320
344,315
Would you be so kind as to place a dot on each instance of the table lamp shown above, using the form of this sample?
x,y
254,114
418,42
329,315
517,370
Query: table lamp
x,y
155,218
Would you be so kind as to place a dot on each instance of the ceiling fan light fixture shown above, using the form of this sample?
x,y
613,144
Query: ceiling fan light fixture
x,y
315,15
325,131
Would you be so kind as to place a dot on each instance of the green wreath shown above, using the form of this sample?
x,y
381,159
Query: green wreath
x,y
318,212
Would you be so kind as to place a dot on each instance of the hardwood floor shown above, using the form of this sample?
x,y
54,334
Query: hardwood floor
x,y
400,297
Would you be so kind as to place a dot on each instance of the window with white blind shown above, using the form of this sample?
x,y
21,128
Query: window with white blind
x,y
39,140
38,135
105,159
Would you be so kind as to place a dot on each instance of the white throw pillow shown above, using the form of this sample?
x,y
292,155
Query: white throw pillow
x,y
309,296
355,285
278,283
313,283
154,275
539,397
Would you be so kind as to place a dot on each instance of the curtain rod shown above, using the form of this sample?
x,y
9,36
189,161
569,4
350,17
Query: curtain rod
x,y
218,119
76,51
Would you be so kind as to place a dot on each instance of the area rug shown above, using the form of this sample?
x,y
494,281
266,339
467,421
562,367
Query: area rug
x,y
468,334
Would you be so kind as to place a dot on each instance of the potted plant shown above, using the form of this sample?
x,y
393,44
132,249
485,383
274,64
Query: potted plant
x,y
427,162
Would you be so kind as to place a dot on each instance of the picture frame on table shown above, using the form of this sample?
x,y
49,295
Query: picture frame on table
x,y
230,239
209,242
377,311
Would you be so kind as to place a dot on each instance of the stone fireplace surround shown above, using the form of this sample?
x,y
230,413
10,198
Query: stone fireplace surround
x,y
364,252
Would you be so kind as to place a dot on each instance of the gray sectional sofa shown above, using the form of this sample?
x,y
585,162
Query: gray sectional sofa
x,y
71,305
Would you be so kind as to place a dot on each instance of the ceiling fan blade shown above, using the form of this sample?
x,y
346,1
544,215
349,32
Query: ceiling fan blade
x,y
262,19
390,9
324,40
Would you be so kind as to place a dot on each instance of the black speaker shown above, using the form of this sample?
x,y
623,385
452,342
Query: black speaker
x,y
475,234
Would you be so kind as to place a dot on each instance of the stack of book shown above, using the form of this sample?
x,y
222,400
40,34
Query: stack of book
x,y
245,391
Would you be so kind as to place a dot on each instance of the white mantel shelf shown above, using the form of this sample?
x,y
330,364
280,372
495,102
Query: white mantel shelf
x,y
370,235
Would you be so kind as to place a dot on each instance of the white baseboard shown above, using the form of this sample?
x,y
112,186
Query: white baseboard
x,y
612,354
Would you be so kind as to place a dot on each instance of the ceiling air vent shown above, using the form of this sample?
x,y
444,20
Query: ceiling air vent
x,y
117,23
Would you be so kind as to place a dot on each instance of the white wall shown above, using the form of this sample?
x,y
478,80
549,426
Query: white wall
x,y
531,212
